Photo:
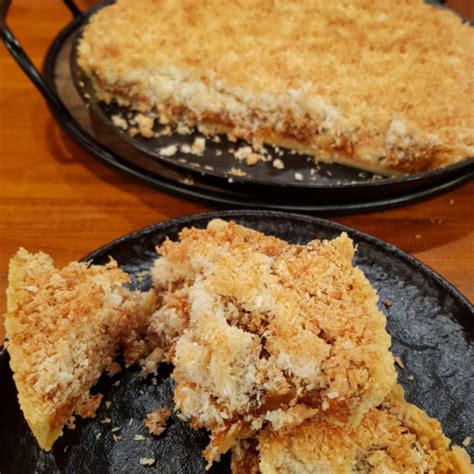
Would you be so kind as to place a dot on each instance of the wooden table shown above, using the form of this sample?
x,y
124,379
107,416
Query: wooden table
x,y
58,198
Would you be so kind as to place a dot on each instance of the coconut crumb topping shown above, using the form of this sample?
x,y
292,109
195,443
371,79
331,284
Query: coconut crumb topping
x,y
394,437
87,406
169,150
156,421
278,164
113,369
63,335
263,337
237,172
388,303
119,122
279,350
247,154
198,146
399,362
147,461
145,125
324,93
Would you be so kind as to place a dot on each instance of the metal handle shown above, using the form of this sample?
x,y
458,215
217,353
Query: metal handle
x,y
23,60
73,7
57,108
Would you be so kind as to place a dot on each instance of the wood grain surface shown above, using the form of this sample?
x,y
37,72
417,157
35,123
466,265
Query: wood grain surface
x,y
58,198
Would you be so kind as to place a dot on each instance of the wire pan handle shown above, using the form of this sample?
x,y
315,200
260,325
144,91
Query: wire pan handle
x,y
14,47
56,106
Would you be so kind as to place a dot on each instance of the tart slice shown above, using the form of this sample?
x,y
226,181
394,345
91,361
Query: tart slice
x,y
396,437
271,333
63,328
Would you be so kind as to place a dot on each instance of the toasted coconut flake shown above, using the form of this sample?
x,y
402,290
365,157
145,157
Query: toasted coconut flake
x,y
156,421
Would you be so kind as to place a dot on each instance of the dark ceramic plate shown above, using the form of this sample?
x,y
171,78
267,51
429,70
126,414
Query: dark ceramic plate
x,y
432,330
327,181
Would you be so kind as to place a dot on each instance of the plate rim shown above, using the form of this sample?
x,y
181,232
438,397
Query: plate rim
x,y
352,232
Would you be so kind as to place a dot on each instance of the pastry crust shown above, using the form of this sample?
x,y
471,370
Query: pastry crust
x,y
271,333
383,86
64,328
395,437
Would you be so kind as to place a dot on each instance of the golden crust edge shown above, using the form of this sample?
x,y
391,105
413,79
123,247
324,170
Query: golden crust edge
x,y
325,153
289,144
46,423
41,425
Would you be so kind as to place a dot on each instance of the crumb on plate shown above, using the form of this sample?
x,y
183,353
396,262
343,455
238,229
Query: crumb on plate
x,y
156,420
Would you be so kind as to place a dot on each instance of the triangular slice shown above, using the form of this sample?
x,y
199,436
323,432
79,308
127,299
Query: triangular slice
x,y
395,437
63,328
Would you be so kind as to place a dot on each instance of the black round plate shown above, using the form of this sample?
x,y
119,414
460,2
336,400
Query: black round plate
x,y
432,330
327,181
91,133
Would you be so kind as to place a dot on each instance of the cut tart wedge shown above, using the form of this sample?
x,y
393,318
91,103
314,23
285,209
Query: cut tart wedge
x,y
396,437
64,327
381,86
270,333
